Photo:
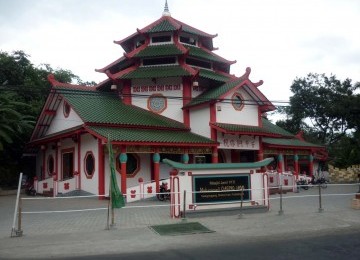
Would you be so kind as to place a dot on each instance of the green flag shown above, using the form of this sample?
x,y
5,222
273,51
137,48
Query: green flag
x,y
117,197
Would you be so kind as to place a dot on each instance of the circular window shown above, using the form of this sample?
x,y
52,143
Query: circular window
x,y
89,164
237,101
67,109
50,164
157,103
132,165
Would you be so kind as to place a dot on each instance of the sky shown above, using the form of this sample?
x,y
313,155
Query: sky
x,y
279,40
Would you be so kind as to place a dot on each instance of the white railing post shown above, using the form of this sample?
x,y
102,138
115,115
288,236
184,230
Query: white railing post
x,y
18,231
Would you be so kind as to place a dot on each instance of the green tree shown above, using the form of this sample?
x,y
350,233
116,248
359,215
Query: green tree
x,y
326,109
23,90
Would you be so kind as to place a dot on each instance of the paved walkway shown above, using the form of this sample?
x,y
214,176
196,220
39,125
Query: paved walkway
x,y
83,233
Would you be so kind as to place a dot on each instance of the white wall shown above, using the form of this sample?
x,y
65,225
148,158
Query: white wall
x,y
168,87
199,121
60,123
89,144
247,116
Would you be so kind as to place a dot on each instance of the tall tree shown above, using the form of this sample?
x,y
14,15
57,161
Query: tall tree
x,y
23,90
325,108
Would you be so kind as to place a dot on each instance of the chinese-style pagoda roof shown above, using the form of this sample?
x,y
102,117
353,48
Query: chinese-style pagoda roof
x,y
218,93
267,129
152,136
290,143
159,50
167,24
209,74
106,108
202,53
155,72
208,166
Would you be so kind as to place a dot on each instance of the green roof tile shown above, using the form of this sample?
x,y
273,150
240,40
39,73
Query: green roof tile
x,y
289,142
267,129
156,71
209,74
106,108
159,50
150,135
200,53
214,93
164,26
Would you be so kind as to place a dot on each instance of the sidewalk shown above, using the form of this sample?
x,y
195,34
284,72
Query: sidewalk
x,y
83,233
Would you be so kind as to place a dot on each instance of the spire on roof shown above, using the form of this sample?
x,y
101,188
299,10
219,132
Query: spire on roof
x,y
166,10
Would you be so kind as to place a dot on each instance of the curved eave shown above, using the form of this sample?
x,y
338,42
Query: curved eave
x,y
108,67
218,166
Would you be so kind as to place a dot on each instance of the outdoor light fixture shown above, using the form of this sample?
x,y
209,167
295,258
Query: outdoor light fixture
x,y
113,87
195,84
43,147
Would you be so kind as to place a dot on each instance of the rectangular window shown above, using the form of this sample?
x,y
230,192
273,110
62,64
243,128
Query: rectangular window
x,y
163,38
198,63
67,161
159,61
188,40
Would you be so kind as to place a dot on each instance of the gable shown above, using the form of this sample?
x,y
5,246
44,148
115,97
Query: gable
x,y
63,120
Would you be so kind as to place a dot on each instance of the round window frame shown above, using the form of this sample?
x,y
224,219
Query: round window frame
x,y
235,98
87,174
49,171
157,95
66,109
137,169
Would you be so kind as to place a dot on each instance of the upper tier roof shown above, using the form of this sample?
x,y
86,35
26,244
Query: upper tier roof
x,y
167,24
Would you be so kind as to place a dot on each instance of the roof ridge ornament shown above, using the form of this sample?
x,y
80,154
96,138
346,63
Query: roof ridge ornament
x,y
166,10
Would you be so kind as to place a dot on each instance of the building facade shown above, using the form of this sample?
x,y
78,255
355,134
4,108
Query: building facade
x,y
169,96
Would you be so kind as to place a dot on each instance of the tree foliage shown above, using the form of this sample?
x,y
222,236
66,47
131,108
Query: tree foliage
x,y
326,109
23,90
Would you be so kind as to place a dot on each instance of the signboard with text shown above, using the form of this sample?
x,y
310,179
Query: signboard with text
x,y
243,142
225,188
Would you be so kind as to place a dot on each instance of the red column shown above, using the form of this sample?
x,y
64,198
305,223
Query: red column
x,y
127,92
261,150
156,159
123,160
44,164
186,99
215,155
296,165
101,169
280,162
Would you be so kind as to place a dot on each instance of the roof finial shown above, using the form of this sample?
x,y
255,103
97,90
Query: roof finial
x,y
166,10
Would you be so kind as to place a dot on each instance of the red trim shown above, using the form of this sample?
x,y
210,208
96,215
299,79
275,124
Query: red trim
x,y
121,73
50,112
101,187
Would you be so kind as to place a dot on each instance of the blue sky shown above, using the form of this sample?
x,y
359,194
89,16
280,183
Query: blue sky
x,y
279,39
